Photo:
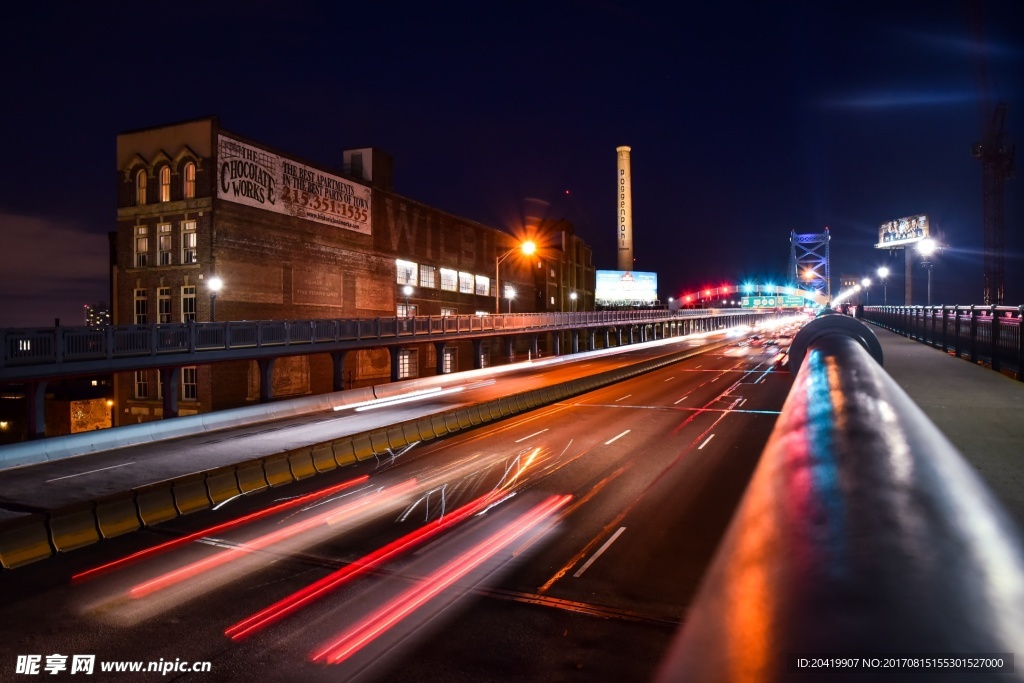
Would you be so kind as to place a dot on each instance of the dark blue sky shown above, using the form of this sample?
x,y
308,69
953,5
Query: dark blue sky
x,y
746,119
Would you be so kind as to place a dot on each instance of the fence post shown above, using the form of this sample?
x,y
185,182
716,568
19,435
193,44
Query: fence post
x,y
945,325
974,334
1020,343
956,330
995,338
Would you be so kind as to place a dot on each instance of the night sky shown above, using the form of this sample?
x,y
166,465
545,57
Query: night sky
x,y
746,119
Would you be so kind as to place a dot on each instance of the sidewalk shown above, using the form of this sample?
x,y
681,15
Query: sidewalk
x,y
979,410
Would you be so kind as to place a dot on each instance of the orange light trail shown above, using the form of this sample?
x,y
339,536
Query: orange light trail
x,y
328,517
91,573
403,605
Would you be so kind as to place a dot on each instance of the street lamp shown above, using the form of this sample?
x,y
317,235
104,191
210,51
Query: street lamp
x,y
527,248
883,273
510,293
927,247
214,285
572,297
407,290
866,282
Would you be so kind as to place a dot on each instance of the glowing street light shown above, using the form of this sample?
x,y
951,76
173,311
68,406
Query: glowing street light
x,y
572,297
407,290
866,283
526,248
927,247
883,273
214,284
510,293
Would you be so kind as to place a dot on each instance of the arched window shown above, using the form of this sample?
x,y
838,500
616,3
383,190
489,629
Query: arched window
x,y
190,180
140,187
165,184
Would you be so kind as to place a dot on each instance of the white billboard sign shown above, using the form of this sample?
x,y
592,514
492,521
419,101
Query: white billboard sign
x,y
255,177
625,286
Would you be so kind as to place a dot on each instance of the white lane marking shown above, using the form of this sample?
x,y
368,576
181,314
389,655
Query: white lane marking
x,y
681,400
623,398
530,436
741,403
124,464
669,379
701,447
596,555
618,437
698,366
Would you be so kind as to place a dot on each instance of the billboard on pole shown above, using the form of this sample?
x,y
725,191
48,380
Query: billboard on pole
x,y
902,231
626,287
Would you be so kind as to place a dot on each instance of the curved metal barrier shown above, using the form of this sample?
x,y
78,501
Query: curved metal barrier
x,y
863,533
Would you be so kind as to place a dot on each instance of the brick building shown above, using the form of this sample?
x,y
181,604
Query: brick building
x,y
290,240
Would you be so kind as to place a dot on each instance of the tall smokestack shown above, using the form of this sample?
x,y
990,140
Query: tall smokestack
x,y
624,230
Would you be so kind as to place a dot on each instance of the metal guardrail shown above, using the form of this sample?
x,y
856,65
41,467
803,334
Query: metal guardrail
x,y
982,334
863,535
63,346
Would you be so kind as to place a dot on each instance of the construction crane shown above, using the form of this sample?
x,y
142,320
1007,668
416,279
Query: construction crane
x,y
997,167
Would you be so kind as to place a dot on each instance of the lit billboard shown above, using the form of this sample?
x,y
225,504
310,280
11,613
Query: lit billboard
x,y
772,301
626,286
249,175
902,231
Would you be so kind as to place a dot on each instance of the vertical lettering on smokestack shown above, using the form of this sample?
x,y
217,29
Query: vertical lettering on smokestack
x,y
624,222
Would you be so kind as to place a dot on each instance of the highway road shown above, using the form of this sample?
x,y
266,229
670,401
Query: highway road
x,y
563,544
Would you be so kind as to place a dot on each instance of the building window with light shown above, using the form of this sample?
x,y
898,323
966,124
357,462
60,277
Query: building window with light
x,y
466,283
165,184
483,285
140,187
408,364
141,246
141,307
163,243
406,272
449,280
141,384
189,385
449,361
449,311
428,277
188,242
188,304
189,181
163,305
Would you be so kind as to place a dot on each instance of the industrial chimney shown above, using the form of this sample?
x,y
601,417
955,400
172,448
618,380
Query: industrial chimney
x,y
624,228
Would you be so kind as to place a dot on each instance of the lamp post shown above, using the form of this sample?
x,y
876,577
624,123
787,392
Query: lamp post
x,y
214,285
883,273
510,293
527,248
572,297
407,290
927,247
866,282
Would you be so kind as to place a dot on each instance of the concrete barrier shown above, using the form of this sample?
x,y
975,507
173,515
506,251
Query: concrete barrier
x,y
344,454
323,457
117,516
362,447
74,528
439,425
396,438
301,463
222,485
156,504
379,441
190,494
251,477
278,470
24,539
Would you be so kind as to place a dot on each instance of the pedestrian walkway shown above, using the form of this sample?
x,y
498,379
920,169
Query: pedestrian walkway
x,y
980,411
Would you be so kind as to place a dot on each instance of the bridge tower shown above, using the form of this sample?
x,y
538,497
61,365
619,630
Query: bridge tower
x,y
808,261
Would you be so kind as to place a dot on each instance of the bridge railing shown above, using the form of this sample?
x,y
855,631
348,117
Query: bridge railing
x,y
982,334
41,346
863,534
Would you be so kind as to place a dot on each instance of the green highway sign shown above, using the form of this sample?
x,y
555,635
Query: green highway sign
x,y
773,301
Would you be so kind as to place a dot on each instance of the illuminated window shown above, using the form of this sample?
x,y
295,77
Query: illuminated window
x,y
141,246
163,305
406,272
408,364
188,303
163,243
189,385
428,276
190,180
165,184
140,187
466,283
188,242
141,307
449,280
483,285
449,311
141,384
449,360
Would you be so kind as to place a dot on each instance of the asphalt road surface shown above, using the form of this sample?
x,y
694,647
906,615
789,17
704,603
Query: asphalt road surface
x,y
564,544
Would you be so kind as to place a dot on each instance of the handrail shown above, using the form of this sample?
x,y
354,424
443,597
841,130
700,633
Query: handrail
x,y
981,334
863,532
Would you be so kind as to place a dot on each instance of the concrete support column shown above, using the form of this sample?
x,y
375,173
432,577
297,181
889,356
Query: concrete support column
x,y
266,368
478,347
394,351
575,334
36,395
439,357
618,331
556,343
534,345
607,337
169,378
338,370
510,349
591,339
632,334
